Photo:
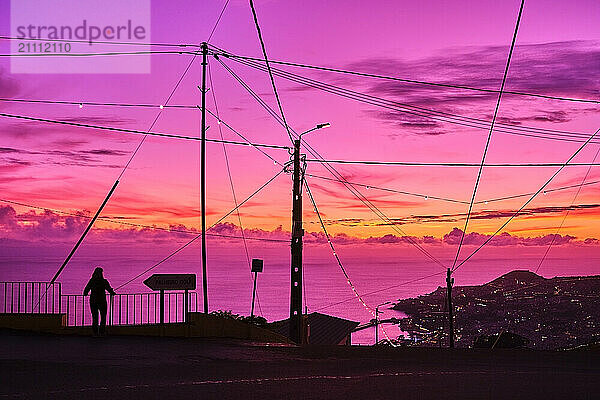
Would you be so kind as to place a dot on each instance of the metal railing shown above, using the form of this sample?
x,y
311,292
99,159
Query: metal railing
x,y
122,309
131,308
30,297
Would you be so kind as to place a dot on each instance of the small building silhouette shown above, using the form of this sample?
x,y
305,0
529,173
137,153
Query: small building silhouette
x,y
320,329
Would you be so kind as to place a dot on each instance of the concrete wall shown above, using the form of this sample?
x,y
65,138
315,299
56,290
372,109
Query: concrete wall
x,y
206,325
199,325
33,322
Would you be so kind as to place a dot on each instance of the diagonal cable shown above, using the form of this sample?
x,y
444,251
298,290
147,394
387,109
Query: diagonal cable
x,y
217,22
264,50
235,202
91,224
487,143
355,192
354,290
516,213
200,235
566,214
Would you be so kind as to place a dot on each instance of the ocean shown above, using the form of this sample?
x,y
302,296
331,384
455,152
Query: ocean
x,y
382,269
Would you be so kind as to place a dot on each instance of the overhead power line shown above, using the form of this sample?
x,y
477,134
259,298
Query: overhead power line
x,y
433,197
355,192
516,213
382,290
567,213
157,44
422,112
115,129
96,103
315,67
374,187
489,137
99,54
180,248
348,280
217,22
515,196
232,186
266,60
405,80
448,164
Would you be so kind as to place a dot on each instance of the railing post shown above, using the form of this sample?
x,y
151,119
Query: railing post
x,y
185,307
162,307
68,316
46,299
75,309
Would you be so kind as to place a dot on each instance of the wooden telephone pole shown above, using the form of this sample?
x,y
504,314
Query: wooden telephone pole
x,y
296,245
204,48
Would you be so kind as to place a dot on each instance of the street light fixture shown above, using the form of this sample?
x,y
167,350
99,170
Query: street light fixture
x,y
319,126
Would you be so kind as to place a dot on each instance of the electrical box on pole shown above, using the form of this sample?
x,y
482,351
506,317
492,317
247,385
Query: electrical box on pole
x,y
296,246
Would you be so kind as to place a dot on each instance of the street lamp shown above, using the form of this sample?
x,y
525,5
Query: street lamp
x,y
319,126
377,320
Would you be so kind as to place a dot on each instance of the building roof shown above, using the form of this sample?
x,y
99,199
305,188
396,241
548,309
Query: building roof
x,y
324,329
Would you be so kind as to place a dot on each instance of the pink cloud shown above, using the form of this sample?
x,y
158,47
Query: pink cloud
x,y
49,226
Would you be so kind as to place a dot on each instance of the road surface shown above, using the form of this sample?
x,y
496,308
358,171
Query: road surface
x,y
38,366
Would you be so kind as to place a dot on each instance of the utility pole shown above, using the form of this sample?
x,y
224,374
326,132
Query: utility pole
x,y
296,328
204,48
297,233
449,283
376,325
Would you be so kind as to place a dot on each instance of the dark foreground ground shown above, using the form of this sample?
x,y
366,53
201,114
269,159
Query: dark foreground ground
x,y
33,366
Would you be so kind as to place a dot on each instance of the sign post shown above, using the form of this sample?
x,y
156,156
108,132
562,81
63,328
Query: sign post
x,y
164,282
257,266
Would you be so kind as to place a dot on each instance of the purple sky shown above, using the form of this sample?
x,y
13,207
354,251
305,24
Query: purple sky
x,y
458,42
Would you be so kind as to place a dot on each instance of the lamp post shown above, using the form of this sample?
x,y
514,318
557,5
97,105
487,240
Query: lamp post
x,y
296,245
377,320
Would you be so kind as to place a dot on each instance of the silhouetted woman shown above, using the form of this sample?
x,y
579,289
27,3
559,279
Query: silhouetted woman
x,y
98,286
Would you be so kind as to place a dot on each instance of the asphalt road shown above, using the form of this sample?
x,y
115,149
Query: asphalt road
x,y
35,366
